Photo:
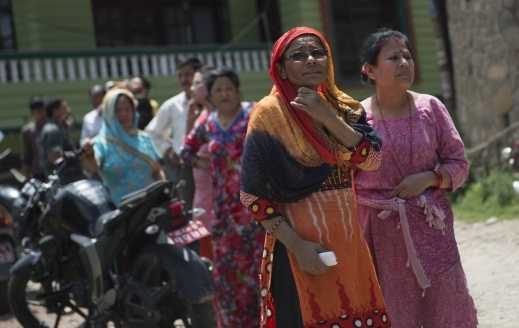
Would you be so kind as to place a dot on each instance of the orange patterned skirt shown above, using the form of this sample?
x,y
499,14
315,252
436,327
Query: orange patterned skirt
x,y
348,295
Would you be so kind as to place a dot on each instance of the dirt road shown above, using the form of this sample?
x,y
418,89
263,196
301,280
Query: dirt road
x,y
490,257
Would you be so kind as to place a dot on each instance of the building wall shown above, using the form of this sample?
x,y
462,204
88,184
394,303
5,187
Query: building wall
x,y
300,13
241,16
428,77
484,38
46,25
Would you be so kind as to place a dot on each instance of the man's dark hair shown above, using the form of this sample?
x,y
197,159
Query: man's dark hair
x,y
95,89
36,101
221,72
53,104
191,61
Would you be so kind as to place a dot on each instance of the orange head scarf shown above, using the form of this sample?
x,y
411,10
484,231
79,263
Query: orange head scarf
x,y
350,107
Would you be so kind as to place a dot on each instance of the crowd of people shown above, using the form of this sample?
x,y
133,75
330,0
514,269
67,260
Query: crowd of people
x,y
305,170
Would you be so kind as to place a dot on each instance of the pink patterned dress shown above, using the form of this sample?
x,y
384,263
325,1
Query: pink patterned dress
x,y
237,240
412,241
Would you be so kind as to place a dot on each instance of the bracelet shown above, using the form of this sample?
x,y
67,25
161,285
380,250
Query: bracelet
x,y
439,176
271,231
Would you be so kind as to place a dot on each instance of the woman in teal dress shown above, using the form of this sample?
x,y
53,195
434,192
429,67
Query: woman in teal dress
x,y
124,157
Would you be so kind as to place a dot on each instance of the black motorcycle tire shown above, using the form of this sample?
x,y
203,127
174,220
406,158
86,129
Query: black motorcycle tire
x,y
16,298
19,307
202,315
4,305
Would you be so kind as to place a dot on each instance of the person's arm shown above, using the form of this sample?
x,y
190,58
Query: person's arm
x,y
193,112
158,174
451,150
191,145
266,214
311,102
451,156
88,159
158,127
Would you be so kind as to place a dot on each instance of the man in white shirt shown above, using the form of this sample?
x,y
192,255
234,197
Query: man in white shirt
x,y
93,120
168,129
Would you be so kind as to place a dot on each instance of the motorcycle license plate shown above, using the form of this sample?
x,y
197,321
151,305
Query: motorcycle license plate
x,y
194,231
6,253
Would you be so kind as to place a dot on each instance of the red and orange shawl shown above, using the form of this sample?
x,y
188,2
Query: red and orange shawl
x,y
287,156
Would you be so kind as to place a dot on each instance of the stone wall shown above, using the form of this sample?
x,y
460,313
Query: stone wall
x,y
484,37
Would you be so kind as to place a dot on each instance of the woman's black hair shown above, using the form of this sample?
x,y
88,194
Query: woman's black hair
x,y
52,104
221,72
372,45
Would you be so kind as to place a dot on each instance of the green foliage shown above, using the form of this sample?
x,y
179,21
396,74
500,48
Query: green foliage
x,y
486,195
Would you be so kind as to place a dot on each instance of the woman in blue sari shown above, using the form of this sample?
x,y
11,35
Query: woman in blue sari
x,y
124,157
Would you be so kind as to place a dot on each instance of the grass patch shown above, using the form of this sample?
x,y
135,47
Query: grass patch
x,y
486,195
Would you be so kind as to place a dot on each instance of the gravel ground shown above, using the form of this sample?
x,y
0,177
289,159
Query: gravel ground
x,y
490,257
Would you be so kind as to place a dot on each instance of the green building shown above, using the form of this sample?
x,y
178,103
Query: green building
x,y
63,47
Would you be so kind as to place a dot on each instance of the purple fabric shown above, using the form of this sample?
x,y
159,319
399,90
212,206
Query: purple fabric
x,y
435,140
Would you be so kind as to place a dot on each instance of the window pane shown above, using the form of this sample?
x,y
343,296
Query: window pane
x,y
353,21
7,36
159,22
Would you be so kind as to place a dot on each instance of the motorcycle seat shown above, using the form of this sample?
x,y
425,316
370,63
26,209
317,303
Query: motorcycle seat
x,y
134,197
103,223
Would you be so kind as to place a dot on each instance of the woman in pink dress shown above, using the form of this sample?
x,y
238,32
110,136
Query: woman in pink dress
x,y
404,214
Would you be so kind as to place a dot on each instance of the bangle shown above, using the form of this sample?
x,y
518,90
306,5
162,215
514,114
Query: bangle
x,y
439,176
271,231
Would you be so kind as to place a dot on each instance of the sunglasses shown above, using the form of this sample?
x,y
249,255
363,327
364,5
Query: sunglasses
x,y
303,55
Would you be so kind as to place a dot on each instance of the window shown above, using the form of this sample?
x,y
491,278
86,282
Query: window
x,y
7,38
123,23
352,21
270,26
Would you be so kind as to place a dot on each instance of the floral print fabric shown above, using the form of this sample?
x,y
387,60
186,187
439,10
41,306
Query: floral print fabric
x,y
237,240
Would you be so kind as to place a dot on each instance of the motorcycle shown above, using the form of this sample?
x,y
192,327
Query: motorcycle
x,y
10,206
104,263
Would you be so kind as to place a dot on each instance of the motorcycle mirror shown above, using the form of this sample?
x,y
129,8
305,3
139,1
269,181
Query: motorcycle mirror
x,y
197,212
58,161
18,175
506,153
1,136
180,184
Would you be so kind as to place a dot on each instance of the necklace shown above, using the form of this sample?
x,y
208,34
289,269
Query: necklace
x,y
410,130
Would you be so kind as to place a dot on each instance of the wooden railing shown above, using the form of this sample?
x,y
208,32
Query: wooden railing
x,y
123,63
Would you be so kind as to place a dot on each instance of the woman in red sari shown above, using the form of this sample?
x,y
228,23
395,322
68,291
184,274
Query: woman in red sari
x,y
303,142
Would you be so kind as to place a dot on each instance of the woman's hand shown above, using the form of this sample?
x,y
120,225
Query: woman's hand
x,y
307,255
88,159
88,147
306,252
414,185
310,101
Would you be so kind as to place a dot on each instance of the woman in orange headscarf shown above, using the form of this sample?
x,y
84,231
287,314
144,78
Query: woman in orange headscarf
x,y
304,140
